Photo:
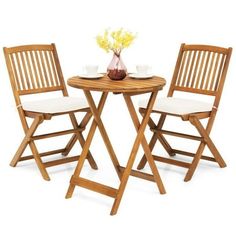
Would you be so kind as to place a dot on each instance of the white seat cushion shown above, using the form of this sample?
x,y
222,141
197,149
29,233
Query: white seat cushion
x,y
55,105
178,106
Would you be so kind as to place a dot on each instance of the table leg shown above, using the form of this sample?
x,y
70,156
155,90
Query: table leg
x,y
86,147
103,132
139,138
145,145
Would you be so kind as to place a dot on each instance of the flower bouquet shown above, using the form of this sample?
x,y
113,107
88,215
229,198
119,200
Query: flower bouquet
x,y
115,41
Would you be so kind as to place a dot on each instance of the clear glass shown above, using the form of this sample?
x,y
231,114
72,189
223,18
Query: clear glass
x,y
116,70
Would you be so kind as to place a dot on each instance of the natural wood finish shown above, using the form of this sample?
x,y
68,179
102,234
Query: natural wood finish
x,y
199,47
87,144
59,133
203,79
36,69
128,87
26,140
214,71
42,154
33,70
190,154
177,134
102,130
156,136
199,115
186,69
196,90
60,161
171,161
140,139
191,69
94,186
208,79
181,69
198,72
74,138
139,174
204,133
40,90
199,69
140,127
195,70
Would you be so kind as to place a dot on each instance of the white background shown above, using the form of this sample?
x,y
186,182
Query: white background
x,y
204,206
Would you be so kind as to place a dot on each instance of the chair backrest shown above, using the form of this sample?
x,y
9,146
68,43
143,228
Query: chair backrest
x,y
201,69
34,69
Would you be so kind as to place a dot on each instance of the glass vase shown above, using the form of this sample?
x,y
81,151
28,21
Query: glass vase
x,y
116,70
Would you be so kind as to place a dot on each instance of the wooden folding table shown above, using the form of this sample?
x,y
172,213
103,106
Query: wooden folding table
x,y
128,88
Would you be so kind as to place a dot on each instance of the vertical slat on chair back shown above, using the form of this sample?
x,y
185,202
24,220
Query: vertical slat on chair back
x,y
34,69
200,69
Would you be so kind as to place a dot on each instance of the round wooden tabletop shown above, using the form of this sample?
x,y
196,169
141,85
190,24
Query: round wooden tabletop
x,y
127,85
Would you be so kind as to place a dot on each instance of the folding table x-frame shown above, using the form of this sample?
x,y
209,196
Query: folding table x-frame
x,y
128,87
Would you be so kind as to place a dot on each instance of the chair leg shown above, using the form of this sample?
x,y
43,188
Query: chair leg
x,y
70,145
29,132
152,143
166,145
156,136
195,162
80,138
38,161
19,152
209,142
26,141
216,154
161,137
72,142
89,157
74,138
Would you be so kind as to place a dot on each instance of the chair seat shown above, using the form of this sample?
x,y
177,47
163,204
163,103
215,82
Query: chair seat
x,y
55,105
178,106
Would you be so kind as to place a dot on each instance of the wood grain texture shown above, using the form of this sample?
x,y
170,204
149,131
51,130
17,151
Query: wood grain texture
x,y
36,69
200,69
128,85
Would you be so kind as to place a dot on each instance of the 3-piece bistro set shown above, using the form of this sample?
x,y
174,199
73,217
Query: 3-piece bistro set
x,y
200,69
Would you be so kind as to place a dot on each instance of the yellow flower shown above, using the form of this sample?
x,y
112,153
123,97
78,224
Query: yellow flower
x,y
103,43
115,40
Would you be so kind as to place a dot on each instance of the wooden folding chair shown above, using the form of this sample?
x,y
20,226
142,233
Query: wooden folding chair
x,y
36,69
200,69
